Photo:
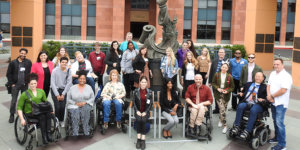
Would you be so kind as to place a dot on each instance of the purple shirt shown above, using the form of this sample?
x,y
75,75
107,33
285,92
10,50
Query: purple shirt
x,y
181,54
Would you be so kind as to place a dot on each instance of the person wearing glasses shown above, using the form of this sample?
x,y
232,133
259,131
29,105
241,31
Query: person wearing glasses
x,y
248,71
236,64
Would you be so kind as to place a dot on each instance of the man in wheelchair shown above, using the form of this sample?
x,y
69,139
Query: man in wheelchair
x,y
198,97
254,99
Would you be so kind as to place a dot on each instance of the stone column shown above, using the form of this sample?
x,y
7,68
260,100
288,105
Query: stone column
x,y
238,21
83,19
296,50
194,21
260,31
284,10
57,19
219,22
26,27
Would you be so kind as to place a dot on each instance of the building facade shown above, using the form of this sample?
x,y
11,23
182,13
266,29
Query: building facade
x,y
203,21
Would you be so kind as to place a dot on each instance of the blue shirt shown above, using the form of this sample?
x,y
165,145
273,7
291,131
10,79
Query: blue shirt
x,y
123,46
250,91
168,68
237,67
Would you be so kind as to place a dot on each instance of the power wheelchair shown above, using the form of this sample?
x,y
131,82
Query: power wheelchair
x,y
261,131
30,129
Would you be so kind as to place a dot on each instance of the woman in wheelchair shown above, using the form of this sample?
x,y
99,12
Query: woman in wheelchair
x,y
169,101
142,104
80,100
113,92
24,108
254,96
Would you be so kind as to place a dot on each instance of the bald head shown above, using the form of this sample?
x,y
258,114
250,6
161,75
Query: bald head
x,y
198,79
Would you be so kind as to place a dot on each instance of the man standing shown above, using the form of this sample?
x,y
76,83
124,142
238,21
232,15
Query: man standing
x,y
61,81
248,71
124,44
236,64
198,96
97,60
16,74
216,67
278,91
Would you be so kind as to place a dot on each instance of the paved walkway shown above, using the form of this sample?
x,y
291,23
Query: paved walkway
x,y
115,140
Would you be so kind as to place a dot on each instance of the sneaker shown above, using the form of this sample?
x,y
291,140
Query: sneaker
x,y
244,135
224,130
11,118
119,125
278,147
273,140
220,124
105,125
235,130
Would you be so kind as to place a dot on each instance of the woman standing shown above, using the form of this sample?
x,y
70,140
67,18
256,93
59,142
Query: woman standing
x,y
169,65
169,101
33,94
43,68
61,53
181,54
204,63
142,101
80,102
223,85
141,67
189,69
113,58
191,47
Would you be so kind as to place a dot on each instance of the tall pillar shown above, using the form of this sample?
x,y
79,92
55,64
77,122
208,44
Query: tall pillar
x,y
57,19
284,10
118,20
260,31
219,22
194,20
26,27
296,50
238,21
83,19
104,18
127,17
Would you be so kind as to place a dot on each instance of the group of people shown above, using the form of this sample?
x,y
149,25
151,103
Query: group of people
x,y
73,84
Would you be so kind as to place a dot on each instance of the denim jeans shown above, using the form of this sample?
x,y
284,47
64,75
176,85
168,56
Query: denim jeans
x,y
106,109
89,80
255,109
278,113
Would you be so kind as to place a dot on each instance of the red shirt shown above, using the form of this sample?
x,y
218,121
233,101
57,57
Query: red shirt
x,y
97,61
143,95
204,93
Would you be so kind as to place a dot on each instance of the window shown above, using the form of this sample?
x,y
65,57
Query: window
x,y
50,19
188,14
91,20
207,16
71,20
140,4
5,18
278,22
290,22
226,21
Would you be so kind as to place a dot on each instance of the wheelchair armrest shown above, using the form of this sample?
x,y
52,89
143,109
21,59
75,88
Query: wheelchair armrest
x,y
154,105
158,105
130,104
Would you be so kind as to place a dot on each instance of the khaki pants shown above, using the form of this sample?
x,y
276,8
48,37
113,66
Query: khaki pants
x,y
197,115
222,109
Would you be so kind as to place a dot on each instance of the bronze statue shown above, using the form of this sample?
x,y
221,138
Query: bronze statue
x,y
169,33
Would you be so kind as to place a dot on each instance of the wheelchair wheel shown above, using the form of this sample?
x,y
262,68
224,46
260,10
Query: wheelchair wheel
x,y
255,143
21,132
229,134
124,128
29,147
263,136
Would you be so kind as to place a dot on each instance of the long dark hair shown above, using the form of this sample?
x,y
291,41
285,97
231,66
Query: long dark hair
x,y
164,89
42,52
112,50
131,43
140,52
192,48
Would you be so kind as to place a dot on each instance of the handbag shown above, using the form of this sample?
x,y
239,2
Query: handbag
x,y
42,107
179,111
8,87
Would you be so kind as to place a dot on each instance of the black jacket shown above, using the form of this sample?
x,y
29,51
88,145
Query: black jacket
x,y
165,104
139,64
13,70
137,100
110,59
213,68
262,93
184,71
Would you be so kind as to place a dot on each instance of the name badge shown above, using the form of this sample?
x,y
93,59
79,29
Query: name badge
x,y
242,63
148,101
98,58
22,69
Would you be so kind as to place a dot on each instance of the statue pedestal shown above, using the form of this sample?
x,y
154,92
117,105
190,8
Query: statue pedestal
x,y
157,80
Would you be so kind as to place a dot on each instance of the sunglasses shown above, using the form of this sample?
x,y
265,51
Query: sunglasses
x,y
251,57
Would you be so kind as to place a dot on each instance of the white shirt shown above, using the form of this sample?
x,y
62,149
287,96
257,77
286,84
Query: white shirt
x,y
88,66
281,80
250,69
190,72
223,76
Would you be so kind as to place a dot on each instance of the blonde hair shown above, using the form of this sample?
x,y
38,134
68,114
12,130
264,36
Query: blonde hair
x,y
113,71
77,53
193,60
207,54
173,59
58,56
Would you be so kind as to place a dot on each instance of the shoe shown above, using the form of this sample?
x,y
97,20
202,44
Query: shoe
x,y
215,111
273,140
169,134
244,135
143,144
11,118
44,138
198,130
48,136
235,130
62,124
191,130
165,134
224,130
220,124
119,126
105,125
278,147
138,144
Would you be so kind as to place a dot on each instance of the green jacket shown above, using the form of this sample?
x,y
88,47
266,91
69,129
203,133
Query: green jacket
x,y
244,74
25,103
229,86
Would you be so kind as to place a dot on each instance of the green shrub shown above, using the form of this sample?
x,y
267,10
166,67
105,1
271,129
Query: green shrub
x,y
51,48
